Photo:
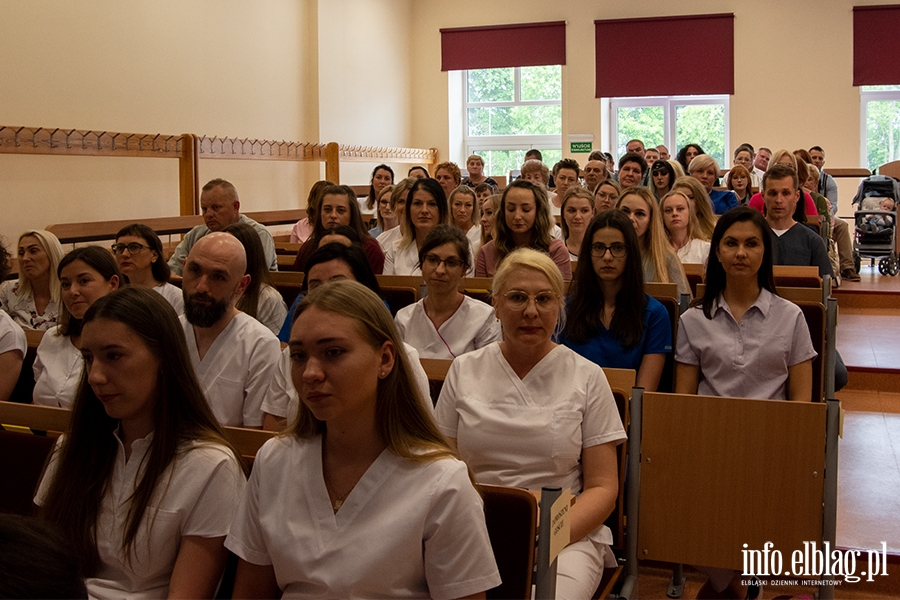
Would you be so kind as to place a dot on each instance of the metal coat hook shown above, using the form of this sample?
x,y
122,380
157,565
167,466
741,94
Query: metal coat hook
x,y
34,133
253,148
112,142
16,139
52,133
153,142
68,134
99,144
128,141
212,144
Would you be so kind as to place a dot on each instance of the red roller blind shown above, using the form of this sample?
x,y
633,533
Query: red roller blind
x,y
675,69
496,46
876,46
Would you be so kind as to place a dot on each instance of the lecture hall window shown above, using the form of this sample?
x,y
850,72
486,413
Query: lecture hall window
x,y
509,111
879,124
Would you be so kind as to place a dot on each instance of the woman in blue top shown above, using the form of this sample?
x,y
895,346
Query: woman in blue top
x,y
611,321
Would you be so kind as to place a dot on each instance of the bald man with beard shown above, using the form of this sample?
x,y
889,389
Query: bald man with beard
x,y
233,354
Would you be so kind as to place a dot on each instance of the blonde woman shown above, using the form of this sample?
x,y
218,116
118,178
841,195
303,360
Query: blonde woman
x,y
398,207
696,193
657,256
705,169
32,300
490,206
681,223
385,218
464,214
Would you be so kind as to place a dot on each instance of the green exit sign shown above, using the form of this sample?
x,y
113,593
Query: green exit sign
x,y
580,147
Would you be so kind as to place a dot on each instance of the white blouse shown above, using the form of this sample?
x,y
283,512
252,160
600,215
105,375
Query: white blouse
x,y
472,326
12,337
173,295
57,370
197,495
271,310
694,252
22,309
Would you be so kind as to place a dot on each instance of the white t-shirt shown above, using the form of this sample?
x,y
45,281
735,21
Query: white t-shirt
x,y
283,401
12,337
472,326
197,496
474,235
406,530
173,295
388,237
236,370
694,252
271,309
402,260
57,370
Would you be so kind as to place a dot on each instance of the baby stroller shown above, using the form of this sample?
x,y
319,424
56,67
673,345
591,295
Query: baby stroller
x,y
876,224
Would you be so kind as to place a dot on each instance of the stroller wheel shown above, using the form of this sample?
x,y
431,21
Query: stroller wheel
x,y
893,267
883,266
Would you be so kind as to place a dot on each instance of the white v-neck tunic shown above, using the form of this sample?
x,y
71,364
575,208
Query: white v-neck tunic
x,y
406,530
472,326
236,370
57,370
196,496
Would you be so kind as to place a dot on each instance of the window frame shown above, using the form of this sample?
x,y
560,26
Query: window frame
x,y
669,105
474,143
866,96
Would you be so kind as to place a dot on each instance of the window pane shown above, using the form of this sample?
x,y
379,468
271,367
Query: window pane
x,y
501,162
515,120
882,132
491,85
704,125
541,83
880,88
643,123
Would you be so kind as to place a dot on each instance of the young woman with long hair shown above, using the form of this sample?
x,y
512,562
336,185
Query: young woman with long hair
x,y
490,206
465,214
696,193
85,275
143,484
260,299
739,183
363,477
680,222
303,228
660,263
139,254
382,176
426,208
523,222
606,195
338,206
385,218
577,211
662,177
611,321
397,201
32,300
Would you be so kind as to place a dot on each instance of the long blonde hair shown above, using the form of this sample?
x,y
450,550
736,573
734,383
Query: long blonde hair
x,y
655,246
400,416
54,252
702,206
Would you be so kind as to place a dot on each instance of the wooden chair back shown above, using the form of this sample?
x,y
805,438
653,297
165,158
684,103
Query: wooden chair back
x,y
797,276
621,381
511,516
667,295
718,473
696,274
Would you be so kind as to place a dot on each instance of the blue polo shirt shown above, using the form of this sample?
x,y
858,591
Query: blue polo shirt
x,y
722,200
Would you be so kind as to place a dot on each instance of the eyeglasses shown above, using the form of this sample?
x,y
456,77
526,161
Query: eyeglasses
x,y
133,248
434,260
599,250
518,300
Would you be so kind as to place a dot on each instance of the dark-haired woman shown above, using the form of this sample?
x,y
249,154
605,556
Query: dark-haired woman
x,y
611,321
741,339
446,323
338,206
139,254
144,484
260,299
523,222
382,176
304,227
662,178
363,498
687,154
426,208
85,275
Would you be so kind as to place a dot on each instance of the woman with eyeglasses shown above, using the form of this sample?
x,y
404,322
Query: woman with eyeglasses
x,y
611,321
662,176
527,412
139,254
606,195
446,323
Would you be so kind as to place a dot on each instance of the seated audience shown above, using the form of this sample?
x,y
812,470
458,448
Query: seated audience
x,y
221,207
696,193
565,174
610,320
446,323
651,155
13,344
413,525
464,214
524,222
260,299
337,206
739,182
32,300
139,254
785,158
304,227
681,226
660,263
144,484
490,206
577,212
382,176
233,354
809,185
740,339
687,154
398,207
418,172
606,195
475,167
594,172
85,275
662,177
743,157
426,208
448,175
385,218
527,412
632,167
705,169
663,152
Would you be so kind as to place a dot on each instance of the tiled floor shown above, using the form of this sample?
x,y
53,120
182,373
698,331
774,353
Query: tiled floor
x,y
870,337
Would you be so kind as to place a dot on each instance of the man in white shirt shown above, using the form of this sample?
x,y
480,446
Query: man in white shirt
x,y
827,184
220,207
663,152
761,161
233,354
